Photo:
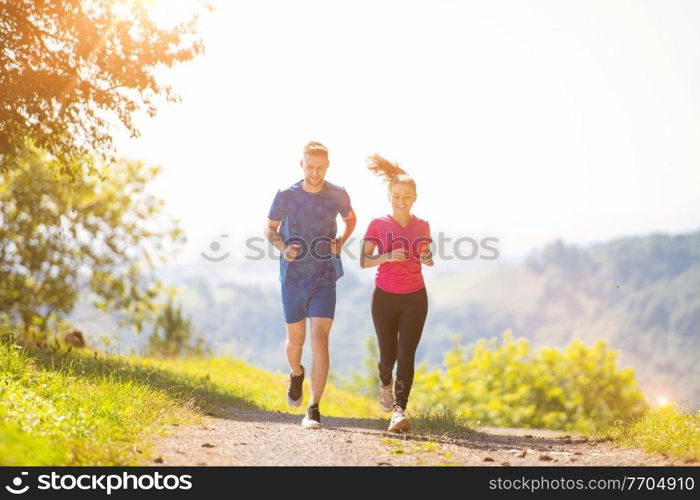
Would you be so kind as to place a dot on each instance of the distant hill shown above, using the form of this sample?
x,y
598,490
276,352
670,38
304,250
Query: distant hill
x,y
642,294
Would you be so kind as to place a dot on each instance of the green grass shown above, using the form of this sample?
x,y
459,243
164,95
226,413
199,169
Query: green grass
x,y
233,382
84,408
663,430
57,411
440,421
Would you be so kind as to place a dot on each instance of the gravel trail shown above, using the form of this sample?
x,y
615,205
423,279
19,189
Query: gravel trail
x,y
256,437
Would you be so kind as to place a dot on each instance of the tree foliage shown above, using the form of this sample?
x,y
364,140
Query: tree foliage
x,y
59,240
172,334
68,67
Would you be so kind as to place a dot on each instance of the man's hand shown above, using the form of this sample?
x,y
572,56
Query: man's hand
x,y
336,245
291,252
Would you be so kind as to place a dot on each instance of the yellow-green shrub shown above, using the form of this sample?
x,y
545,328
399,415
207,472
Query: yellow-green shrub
x,y
505,383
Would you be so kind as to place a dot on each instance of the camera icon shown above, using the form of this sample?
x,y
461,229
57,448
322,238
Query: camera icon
x,y
17,483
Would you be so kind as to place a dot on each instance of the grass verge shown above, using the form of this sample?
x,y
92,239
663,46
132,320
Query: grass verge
x,y
663,430
63,414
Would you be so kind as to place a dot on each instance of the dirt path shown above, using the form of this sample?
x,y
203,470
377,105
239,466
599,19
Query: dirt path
x,y
256,437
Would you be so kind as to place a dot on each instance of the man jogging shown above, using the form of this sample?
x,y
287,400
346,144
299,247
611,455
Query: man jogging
x,y
302,225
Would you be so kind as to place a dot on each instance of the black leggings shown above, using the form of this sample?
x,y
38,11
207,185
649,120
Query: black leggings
x,y
398,321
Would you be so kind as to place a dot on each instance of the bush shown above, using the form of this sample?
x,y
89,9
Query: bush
x,y
504,383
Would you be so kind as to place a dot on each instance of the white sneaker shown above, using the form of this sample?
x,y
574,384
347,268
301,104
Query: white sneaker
x,y
312,419
399,421
386,396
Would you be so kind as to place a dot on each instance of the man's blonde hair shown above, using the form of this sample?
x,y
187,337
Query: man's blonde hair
x,y
316,148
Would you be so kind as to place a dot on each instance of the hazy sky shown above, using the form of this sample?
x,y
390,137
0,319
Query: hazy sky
x,y
526,121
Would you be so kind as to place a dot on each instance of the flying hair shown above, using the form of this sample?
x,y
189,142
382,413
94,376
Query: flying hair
x,y
388,171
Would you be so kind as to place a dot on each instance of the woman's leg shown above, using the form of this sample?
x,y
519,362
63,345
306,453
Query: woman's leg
x,y
411,324
385,315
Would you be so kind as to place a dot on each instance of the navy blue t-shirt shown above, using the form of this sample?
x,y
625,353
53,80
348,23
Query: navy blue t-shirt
x,y
310,220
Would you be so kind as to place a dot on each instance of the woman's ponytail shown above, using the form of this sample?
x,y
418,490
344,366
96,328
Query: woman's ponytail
x,y
388,171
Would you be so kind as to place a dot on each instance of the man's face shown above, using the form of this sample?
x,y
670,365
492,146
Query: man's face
x,y
315,167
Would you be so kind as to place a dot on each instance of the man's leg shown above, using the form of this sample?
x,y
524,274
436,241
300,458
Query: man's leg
x,y
294,303
296,335
320,332
321,313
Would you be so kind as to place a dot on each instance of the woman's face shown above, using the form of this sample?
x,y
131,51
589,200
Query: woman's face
x,y
402,197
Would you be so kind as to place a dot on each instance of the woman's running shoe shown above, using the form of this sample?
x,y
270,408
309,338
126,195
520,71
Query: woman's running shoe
x,y
386,396
399,421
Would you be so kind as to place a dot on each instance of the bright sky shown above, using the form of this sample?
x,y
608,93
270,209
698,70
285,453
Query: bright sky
x,y
526,121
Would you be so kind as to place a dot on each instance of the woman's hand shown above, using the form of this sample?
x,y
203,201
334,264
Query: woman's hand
x,y
396,255
426,256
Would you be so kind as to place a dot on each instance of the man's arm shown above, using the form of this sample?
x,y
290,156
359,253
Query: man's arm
x,y
272,234
350,223
275,238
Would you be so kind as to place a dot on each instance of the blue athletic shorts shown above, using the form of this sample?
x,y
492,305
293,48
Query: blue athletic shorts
x,y
300,303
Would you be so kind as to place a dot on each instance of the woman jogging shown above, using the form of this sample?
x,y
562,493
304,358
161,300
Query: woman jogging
x,y
399,300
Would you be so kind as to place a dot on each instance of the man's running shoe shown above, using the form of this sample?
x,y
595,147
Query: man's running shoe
x,y
399,421
312,419
295,393
386,396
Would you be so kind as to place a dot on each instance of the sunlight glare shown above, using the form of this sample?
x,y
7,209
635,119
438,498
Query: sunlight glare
x,y
662,401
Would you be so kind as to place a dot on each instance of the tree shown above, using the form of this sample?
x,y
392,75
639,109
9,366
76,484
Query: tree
x,y
68,67
172,334
98,237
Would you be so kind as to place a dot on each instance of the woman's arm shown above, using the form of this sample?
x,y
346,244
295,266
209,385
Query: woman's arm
x,y
367,259
426,258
